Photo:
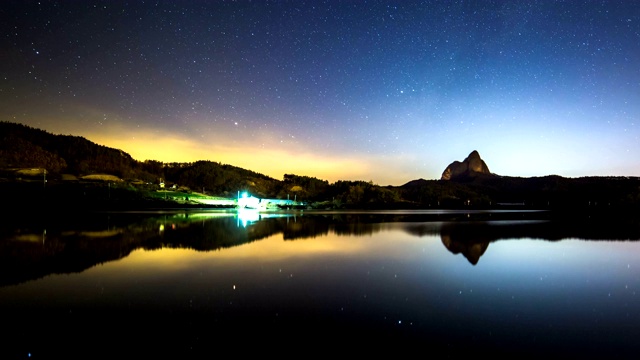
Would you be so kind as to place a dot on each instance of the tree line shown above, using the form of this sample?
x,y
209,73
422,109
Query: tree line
x,y
22,146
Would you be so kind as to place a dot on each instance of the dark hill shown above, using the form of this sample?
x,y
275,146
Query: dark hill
x,y
22,146
470,183
415,183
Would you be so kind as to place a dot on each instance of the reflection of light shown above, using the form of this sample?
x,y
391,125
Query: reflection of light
x,y
248,216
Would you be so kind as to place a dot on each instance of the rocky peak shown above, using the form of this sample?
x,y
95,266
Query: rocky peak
x,y
470,167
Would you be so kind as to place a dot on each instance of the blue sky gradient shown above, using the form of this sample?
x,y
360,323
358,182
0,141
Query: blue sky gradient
x,y
388,91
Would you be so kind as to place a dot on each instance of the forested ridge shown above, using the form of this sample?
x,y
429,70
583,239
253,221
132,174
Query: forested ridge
x,y
64,156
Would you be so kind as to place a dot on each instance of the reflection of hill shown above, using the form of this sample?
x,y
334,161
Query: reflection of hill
x,y
49,247
214,234
592,229
38,247
472,238
305,227
31,248
59,253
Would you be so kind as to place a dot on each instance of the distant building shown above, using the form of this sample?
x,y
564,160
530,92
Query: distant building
x,y
249,202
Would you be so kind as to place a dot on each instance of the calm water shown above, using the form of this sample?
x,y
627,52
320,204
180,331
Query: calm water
x,y
298,284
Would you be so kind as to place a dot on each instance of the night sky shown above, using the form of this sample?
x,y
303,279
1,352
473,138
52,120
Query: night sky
x,y
387,91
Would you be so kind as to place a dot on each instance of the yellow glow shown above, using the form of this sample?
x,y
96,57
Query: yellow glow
x,y
273,248
265,153
274,162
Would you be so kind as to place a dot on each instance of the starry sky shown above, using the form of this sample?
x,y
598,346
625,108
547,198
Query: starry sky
x,y
382,91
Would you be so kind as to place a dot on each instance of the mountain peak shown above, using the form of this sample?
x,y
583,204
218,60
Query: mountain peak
x,y
470,167
474,154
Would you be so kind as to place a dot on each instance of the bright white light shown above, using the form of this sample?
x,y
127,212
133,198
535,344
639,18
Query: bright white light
x,y
247,216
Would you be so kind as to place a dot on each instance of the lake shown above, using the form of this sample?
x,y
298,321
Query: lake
x,y
185,284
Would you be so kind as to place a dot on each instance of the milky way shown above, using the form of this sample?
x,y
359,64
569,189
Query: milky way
x,y
353,90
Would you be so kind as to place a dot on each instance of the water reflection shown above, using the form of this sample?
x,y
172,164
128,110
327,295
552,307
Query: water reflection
x,y
74,245
193,283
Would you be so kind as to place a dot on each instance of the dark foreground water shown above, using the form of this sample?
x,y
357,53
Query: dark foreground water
x,y
213,284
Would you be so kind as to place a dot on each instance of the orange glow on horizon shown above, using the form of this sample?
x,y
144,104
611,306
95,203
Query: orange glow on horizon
x,y
274,248
265,159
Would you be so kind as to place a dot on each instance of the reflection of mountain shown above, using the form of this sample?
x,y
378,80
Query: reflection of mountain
x,y
472,238
470,250
33,248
